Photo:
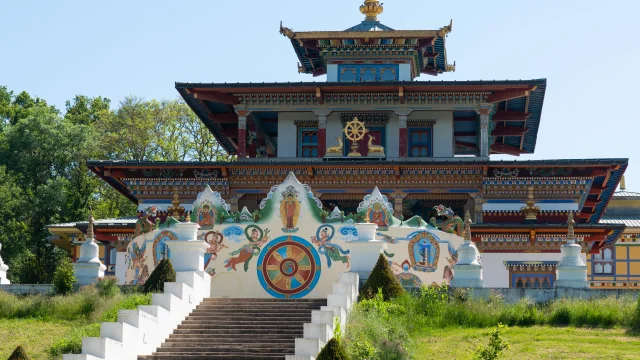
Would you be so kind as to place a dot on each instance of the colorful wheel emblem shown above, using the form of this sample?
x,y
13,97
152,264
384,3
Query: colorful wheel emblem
x,y
289,267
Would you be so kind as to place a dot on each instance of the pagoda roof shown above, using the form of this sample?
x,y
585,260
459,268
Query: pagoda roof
x,y
630,221
518,104
428,46
605,174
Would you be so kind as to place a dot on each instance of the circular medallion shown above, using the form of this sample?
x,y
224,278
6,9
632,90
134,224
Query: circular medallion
x,y
253,233
289,267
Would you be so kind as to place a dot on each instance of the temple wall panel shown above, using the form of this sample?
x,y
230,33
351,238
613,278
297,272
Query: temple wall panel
x,y
392,147
634,252
405,73
634,267
442,130
496,274
332,73
334,129
621,268
288,132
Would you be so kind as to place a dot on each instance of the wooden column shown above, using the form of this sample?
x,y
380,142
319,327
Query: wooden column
x,y
322,131
485,113
403,143
242,131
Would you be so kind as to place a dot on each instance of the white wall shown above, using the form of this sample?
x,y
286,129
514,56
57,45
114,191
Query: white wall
x,y
334,129
287,132
392,147
405,72
332,73
442,130
495,273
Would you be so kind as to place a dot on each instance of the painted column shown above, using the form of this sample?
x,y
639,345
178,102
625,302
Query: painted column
x,y
403,116
398,199
322,131
242,137
478,207
485,113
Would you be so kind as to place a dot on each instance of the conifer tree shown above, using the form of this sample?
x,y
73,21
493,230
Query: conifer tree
x,y
381,278
164,272
19,354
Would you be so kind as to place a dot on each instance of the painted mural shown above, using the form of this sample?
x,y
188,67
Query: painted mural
x,y
292,248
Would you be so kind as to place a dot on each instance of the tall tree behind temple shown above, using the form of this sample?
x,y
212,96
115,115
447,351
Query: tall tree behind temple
x,y
43,174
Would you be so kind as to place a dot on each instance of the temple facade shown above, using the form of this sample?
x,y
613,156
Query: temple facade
x,y
424,146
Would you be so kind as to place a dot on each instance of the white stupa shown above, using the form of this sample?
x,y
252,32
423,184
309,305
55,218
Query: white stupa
x,y
88,268
467,272
572,271
3,271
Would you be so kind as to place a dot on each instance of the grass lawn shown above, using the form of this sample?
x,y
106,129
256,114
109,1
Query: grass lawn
x,y
539,342
34,335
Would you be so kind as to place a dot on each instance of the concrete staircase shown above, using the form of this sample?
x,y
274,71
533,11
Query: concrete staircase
x,y
232,329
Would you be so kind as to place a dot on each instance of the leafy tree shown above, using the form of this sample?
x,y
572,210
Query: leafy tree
x,y
164,272
497,345
83,110
63,278
381,278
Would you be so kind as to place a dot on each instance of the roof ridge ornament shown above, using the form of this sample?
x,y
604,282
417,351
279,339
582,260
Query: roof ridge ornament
x,y
623,184
531,210
285,31
443,31
371,9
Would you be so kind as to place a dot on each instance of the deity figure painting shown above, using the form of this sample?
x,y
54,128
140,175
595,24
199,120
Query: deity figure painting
x,y
290,210
243,255
206,216
378,215
448,269
144,225
214,240
325,247
424,252
137,262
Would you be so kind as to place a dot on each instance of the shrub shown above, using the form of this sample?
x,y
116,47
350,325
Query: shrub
x,y
636,318
381,278
18,354
496,345
131,302
63,278
162,273
72,343
332,351
108,286
392,350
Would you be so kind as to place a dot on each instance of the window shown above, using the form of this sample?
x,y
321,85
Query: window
x,y
112,256
368,72
599,269
420,142
603,262
607,254
308,142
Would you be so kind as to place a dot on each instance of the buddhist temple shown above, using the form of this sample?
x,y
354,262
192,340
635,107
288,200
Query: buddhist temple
x,y
387,119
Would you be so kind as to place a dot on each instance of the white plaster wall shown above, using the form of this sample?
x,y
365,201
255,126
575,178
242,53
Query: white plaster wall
x,y
332,73
287,132
392,147
334,129
442,131
405,72
495,273
121,267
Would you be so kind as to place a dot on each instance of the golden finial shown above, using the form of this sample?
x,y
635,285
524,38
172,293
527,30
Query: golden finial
x,y
531,210
371,9
90,228
445,29
467,227
175,209
623,184
451,68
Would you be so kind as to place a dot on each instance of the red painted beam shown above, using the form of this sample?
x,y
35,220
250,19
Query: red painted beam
x,y
232,133
509,131
465,133
507,95
599,172
509,116
591,203
596,190
216,97
466,145
506,149
228,118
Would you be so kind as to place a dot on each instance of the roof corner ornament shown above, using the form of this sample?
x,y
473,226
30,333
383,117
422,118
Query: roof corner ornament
x,y
371,9
301,69
451,68
445,29
531,210
285,31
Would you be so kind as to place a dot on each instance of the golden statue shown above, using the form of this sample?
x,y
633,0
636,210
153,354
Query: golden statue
x,y
374,150
355,131
336,150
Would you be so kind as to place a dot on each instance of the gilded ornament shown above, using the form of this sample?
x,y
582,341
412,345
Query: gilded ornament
x,y
374,150
355,131
336,150
371,9
531,210
285,31
443,31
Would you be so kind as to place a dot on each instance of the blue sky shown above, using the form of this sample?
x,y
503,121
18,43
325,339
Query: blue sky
x,y
588,50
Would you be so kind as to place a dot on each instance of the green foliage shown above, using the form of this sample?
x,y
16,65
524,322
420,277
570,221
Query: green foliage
x,y
333,350
164,272
63,278
497,345
19,354
130,302
636,318
381,278
72,343
108,286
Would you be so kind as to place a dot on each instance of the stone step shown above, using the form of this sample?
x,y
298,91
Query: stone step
x,y
231,339
277,307
239,331
257,313
229,300
226,349
209,356
234,326
220,323
168,347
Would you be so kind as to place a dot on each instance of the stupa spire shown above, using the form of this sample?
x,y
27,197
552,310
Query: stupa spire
x,y
467,227
623,184
371,9
90,227
571,238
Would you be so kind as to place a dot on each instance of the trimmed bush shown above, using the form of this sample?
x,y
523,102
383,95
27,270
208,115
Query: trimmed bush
x,y
332,351
381,278
636,318
108,286
18,354
63,278
162,273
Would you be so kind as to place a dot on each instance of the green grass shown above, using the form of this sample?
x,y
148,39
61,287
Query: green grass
x,y
408,326
49,326
530,343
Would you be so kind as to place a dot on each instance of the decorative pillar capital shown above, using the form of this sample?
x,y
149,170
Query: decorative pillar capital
x,y
322,117
403,117
403,112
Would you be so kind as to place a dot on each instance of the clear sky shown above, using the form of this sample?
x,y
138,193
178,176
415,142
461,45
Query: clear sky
x,y
588,50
